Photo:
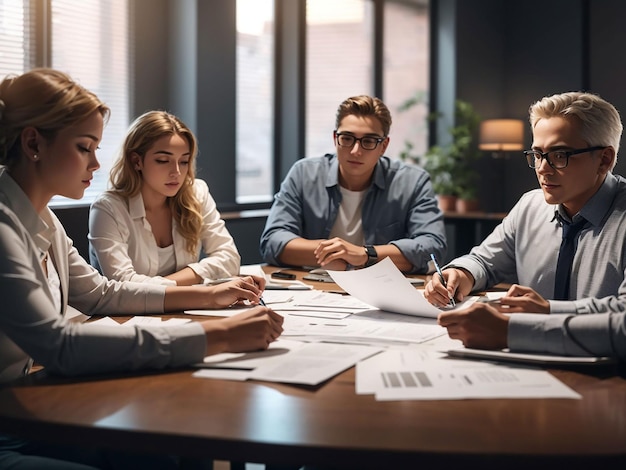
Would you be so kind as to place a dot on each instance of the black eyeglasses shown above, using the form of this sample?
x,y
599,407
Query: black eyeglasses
x,y
367,142
557,159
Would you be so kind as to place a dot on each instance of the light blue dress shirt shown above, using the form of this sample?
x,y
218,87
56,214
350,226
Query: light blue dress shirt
x,y
524,250
602,334
399,208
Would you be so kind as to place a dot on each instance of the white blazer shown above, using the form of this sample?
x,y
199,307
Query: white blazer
x,y
30,325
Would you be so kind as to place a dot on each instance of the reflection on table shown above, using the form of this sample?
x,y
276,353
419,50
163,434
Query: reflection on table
x,y
329,424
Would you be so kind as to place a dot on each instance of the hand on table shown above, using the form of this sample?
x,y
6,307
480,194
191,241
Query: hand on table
x,y
329,252
479,326
522,299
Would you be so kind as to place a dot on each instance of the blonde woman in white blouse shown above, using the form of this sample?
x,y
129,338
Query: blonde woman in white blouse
x,y
158,223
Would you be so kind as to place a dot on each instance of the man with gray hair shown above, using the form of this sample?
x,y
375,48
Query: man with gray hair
x,y
561,246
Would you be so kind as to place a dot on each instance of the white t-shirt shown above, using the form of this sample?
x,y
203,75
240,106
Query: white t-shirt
x,y
167,260
349,224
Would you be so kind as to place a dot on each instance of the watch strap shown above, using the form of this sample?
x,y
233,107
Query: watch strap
x,y
372,255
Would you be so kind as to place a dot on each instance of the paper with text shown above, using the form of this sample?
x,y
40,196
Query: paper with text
x,y
394,375
373,327
286,362
385,287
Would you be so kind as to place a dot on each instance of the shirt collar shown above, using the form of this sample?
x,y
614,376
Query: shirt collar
x,y
15,199
136,207
598,205
332,179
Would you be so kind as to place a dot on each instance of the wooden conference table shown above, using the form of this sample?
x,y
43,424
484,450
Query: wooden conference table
x,y
327,425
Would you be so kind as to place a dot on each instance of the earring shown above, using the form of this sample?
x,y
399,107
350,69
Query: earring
x,y
35,157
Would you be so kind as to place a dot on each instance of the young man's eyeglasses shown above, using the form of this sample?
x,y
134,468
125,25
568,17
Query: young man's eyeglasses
x,y
366,143
557,159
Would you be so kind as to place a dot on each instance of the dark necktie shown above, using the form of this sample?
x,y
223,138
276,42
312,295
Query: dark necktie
x,y
566,256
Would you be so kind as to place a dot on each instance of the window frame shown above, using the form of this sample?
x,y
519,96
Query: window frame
x,y
192,46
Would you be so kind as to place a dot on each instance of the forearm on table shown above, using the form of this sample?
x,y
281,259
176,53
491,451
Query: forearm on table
x,y
393,252
187,297
185,277
300,252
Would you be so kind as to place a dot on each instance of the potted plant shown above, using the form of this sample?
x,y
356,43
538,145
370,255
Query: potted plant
x,y
463,149
441,168
451,166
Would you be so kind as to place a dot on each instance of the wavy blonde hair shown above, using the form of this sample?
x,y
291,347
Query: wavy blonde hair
x,y
126,180
46,99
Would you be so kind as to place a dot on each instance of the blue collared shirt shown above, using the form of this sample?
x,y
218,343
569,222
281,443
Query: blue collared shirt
x,y
524,249
399,208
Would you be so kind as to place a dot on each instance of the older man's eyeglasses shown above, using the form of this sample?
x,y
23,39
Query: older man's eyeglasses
x,y
557,159
366,143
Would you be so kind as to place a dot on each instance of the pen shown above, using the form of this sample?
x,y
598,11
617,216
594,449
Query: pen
x,y
443,281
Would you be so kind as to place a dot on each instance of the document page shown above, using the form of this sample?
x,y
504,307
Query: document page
x,y
382,285
370,327
286,362
400,375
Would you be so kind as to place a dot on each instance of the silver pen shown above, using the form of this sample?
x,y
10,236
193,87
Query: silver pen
x,y
441,278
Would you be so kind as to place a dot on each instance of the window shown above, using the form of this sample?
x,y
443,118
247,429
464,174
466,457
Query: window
x,y
406,73
15,37
339,63
255,89
87,40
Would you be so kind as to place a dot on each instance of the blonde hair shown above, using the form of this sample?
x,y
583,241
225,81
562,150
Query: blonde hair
x,y
126,180
43,98
364,105
601,123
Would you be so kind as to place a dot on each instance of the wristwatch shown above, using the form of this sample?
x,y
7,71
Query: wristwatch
x,y
372,255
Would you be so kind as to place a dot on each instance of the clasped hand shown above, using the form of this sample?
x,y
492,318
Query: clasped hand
x,y
337,253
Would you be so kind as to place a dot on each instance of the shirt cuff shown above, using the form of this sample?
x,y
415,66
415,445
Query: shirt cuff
x,y
565,306
525,332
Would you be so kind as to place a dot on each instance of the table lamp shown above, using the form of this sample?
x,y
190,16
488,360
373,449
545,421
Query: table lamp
x,y
501,136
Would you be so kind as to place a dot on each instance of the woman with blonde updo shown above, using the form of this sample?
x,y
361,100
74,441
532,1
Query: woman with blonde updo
x,y
158,220
50,128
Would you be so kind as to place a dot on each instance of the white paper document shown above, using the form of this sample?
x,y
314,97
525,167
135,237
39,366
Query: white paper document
x,y
319,304
374,327
286,362
394,376
310,303
383,286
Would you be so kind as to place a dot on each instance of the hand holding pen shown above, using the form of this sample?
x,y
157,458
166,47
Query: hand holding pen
x,y
442,279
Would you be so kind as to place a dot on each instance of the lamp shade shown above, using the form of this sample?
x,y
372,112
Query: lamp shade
x,y
501,135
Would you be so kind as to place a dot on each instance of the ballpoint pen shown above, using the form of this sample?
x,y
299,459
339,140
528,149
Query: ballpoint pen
x,y
441,278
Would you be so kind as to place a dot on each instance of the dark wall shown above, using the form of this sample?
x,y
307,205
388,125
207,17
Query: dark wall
x,y
76,223
501,56
510,54
246,232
